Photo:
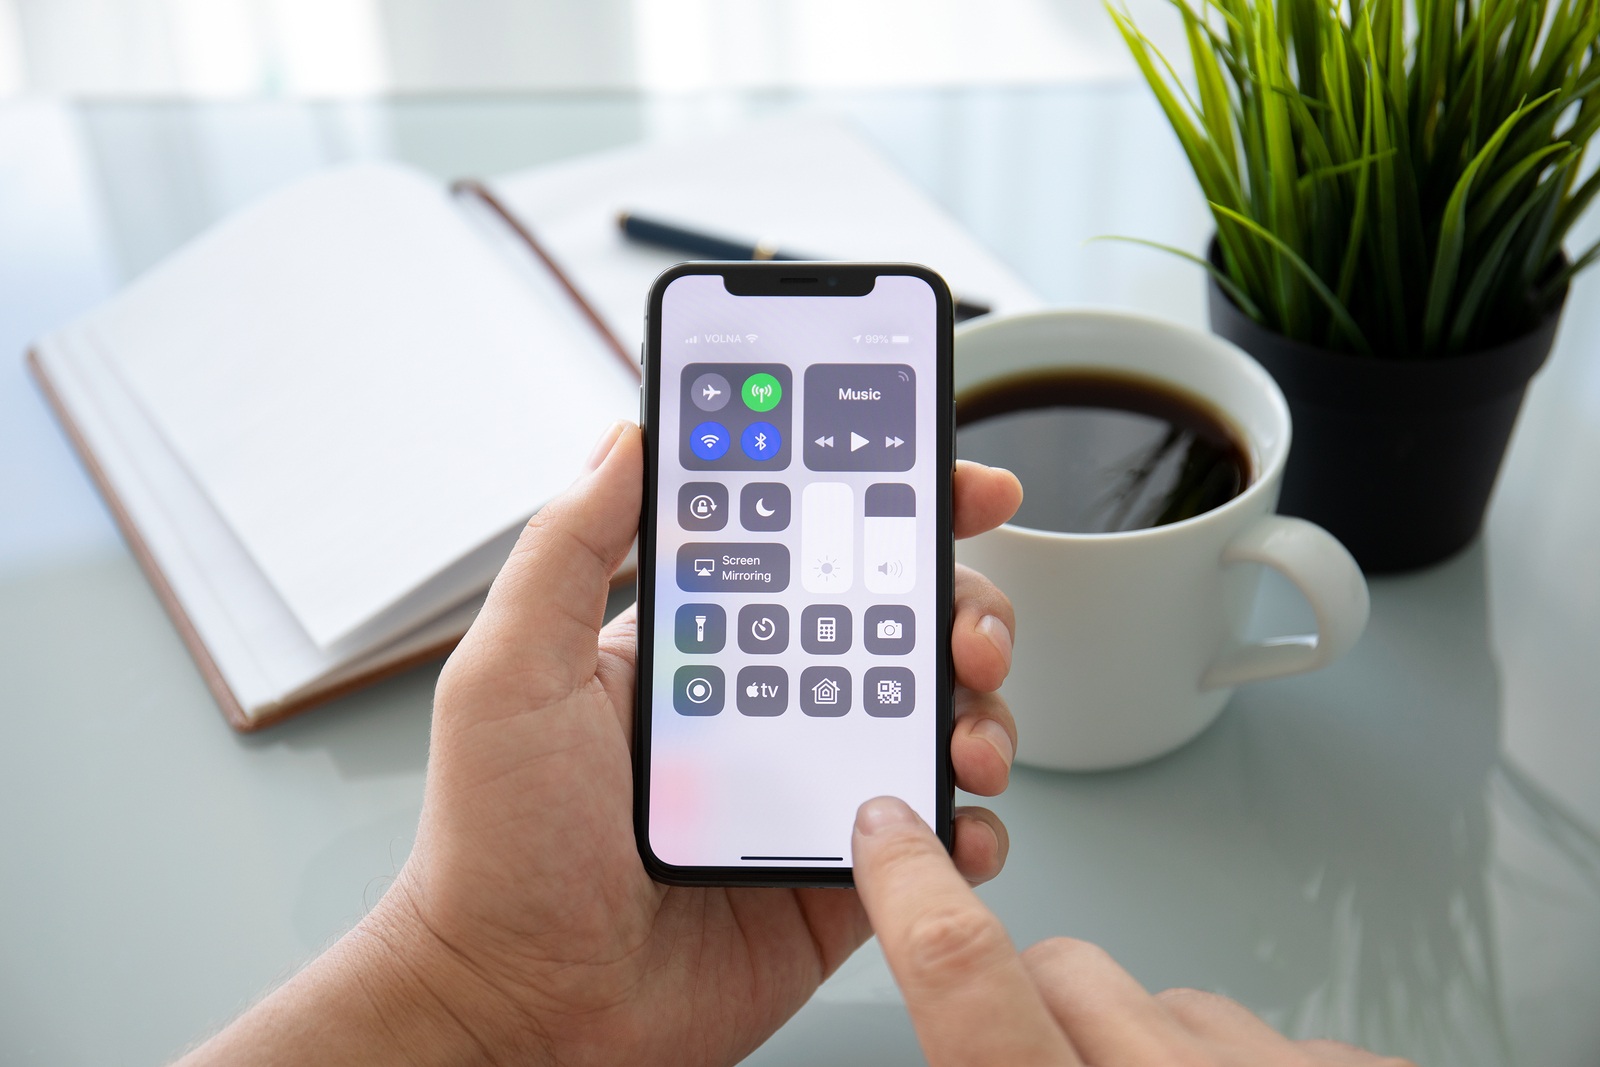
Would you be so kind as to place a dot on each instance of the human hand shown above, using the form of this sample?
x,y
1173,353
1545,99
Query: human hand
x,y
523,926
975,1000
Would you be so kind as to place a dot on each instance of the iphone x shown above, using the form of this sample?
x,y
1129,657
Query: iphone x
x,y
795,565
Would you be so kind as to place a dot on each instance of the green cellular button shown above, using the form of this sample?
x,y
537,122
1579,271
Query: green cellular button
x,y
762,392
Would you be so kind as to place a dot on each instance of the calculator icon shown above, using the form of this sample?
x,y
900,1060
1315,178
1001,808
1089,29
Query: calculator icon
x,y
825,629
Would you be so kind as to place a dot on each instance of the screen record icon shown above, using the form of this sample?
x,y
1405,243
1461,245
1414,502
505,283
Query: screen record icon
x,y
697,689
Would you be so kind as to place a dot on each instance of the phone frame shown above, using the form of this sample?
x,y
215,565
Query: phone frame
x,y
801,280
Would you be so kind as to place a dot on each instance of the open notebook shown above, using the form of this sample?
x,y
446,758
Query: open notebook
x,y
322,424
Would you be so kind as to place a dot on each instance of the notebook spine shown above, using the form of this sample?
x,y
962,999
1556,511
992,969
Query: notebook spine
x,y
476,189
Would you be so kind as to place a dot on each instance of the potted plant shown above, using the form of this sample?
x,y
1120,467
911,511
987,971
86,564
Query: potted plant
x,y
1391,185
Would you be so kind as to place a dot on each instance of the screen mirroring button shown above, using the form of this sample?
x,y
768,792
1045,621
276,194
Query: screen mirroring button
x,y
733,567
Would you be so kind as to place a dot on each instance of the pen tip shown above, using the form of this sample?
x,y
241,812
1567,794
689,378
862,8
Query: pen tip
x,y
622,218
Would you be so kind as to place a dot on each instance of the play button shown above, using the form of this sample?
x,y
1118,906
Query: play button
x,y
856,441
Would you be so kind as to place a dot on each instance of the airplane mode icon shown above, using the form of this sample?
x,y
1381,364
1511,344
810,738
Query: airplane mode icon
x,y
710,392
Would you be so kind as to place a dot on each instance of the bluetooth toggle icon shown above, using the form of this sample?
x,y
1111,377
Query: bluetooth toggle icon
x,y
760,440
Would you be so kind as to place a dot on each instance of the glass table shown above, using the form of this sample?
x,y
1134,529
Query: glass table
x,y
1402,851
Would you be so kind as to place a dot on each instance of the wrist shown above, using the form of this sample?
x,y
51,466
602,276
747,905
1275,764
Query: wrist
x,y
432,1000
388,992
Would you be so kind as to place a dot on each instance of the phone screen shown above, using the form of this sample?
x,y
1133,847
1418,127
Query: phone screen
x,y
795,595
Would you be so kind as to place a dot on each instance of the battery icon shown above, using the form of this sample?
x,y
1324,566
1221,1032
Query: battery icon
x,y
899,339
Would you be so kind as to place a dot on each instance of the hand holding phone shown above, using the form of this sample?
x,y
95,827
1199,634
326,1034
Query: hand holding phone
x,y
796,565
523,926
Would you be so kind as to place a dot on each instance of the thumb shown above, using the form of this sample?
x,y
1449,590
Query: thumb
x,y
543,614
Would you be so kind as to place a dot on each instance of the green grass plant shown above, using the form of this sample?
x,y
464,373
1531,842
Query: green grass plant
x,y
1390,177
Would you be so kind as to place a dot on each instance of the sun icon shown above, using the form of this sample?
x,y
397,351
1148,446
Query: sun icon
x,y
826,568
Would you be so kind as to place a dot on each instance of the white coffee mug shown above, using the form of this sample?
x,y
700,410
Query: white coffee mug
x,y
1128,644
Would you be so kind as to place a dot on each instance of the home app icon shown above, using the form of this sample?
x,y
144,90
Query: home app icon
x,y
825,691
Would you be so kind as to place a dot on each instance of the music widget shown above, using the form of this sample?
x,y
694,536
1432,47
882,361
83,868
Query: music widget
x,y
861,417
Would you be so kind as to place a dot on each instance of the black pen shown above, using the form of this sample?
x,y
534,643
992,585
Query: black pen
x,y
710,246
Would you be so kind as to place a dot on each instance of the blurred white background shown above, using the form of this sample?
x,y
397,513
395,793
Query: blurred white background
x,y
319,48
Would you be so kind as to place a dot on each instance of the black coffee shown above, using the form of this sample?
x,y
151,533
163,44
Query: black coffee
x,y
1100,452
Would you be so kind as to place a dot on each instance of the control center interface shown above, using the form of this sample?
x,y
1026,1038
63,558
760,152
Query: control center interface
x,y
795,570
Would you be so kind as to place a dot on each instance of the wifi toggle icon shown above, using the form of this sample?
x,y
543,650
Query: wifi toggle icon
x,y
710,440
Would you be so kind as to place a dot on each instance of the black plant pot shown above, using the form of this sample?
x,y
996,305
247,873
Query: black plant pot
x,y
1395,458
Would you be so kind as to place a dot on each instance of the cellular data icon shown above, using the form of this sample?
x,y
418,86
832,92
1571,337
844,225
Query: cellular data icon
x,y
753,415
762,392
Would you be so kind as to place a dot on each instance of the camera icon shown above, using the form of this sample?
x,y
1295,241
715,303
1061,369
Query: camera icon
x,y
890,630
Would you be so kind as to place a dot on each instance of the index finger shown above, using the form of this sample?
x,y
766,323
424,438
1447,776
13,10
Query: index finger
x,y
969,995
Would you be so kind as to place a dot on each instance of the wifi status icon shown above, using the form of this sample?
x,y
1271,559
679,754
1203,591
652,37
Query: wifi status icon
x,y
710,441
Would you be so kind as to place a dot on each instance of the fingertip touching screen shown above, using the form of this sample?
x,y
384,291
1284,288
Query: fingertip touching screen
x,y
795,586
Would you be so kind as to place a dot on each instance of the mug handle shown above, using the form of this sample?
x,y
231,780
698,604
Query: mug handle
x,y
1326,575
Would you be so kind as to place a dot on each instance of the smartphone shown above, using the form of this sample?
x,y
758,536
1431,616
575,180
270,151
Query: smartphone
x,y
795,565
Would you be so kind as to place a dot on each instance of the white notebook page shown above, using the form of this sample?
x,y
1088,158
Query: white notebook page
x,y
262,653
364,392
811,185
